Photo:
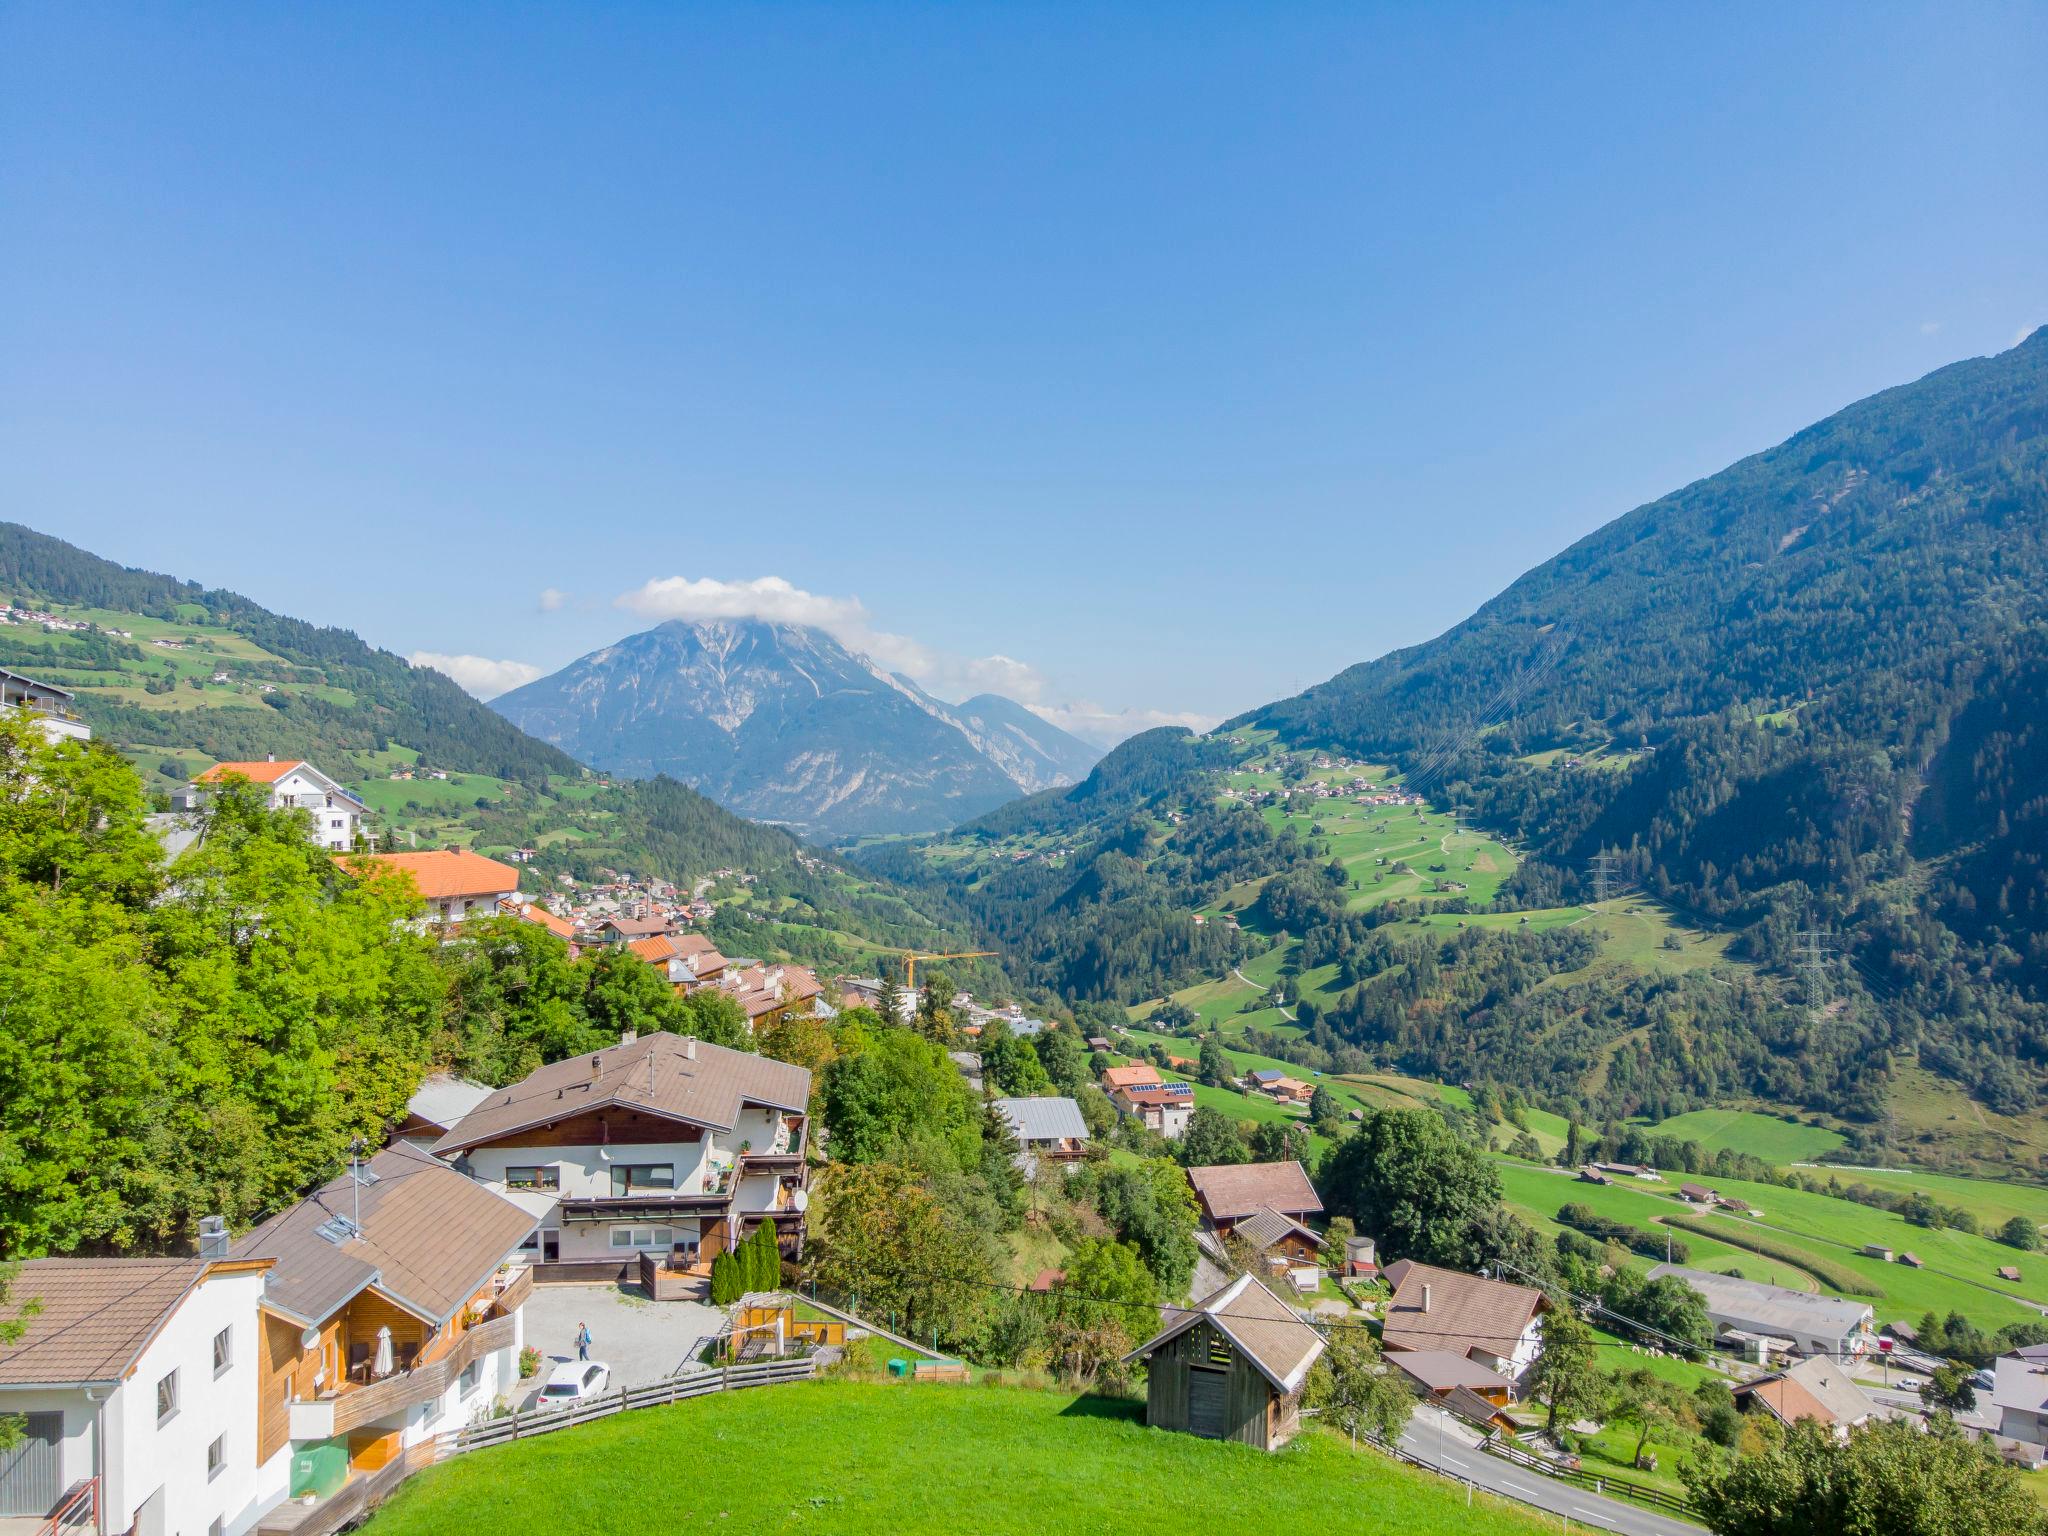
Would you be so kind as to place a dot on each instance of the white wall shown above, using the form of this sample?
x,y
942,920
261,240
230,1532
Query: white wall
x,y
313,794
143,1455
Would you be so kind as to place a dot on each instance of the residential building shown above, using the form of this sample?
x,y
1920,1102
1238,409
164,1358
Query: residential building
x,y
437,1107
1816,1389
1291,1253
686,959
1230,1192
1046,1128
455,883
52,708
1231,1367
1162,1107
1811,1324
1492,1322
771,993
662,1144
1139,1074
294,785
137,1378
1439,1372
2019,1394
560,927
626,930
392,1314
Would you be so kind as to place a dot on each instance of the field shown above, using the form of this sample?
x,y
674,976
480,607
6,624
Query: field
x,y
838,1457
1769,1137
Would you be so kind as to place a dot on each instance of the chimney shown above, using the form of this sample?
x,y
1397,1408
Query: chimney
x,y
270,757
689,1047
1425,1297
628,1036
596,1065
213,1238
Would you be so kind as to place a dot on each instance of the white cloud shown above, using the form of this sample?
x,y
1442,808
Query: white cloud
x,y
1929,327
2025,331
479,675
551,599
941,673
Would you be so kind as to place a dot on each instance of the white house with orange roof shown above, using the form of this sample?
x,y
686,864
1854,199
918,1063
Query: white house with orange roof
x,y
295,785
455,883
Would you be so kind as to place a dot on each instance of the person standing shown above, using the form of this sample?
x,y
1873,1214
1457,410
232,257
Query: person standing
x,y
583,1341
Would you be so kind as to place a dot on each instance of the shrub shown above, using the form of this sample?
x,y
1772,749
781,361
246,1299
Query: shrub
x,y
529,1362
727,1283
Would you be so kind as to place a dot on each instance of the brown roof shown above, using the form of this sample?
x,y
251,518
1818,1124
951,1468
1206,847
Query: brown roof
x,y
266,772
640,925
1046,1279
1440,1370
93,1317
1466,1312
1266,1330
1813,1389
1232,1191
1787,1399
445,872
429,1239
653,1075
762,989
1266,1226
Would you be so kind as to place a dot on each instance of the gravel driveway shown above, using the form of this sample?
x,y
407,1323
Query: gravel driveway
x,y
641,1340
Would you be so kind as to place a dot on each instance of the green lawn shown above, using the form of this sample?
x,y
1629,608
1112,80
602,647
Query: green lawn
x,y
1992,1201
902,1459
1769,1137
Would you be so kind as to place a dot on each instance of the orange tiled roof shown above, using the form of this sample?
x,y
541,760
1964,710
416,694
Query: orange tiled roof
x,y
447,872
266,772
560,927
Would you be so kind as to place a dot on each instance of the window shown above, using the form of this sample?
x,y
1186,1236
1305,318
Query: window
x,y
657,1238
216,1458
167,1397
223,1350
542,1176
640,1178
471,1378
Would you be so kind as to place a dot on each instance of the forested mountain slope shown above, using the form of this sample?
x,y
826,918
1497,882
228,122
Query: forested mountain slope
x,y
1815,683
232,680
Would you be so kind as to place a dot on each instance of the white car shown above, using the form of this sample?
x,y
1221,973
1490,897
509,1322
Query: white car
x,y
574,1380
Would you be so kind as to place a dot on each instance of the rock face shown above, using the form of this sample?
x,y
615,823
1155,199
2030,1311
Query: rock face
x,y
783,723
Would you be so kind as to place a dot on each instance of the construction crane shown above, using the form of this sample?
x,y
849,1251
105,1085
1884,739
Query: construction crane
x,y
910,960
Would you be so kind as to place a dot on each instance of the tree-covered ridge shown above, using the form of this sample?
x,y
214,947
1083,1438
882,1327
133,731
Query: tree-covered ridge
x,y
1826,659
375,698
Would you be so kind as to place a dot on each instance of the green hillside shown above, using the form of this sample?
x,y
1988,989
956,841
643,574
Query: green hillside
x,y
831,1457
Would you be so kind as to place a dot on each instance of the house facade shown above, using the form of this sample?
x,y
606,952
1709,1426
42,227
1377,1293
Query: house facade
x,y
295,785
663,1145
53,709
1162,1107
136,1384
1491,1322
455,883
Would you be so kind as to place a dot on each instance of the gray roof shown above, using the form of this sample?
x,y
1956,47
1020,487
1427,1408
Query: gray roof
x,y
444,1099
658,1074
1770,1308
1440,1370
429,1240
1044,1119
1266,1330
1266,1226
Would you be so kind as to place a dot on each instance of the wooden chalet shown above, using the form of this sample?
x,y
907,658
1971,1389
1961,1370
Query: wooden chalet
x,y
1231,1368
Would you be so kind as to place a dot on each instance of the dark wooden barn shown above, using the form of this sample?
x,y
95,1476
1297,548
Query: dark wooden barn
x,y
1231,1368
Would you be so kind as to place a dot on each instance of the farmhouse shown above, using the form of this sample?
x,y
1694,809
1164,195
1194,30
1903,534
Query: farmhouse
x,y
1439,1372
1231,1367
1815,1325
1049,1128
294,785
1230,1192
1489,1321
1816,1389
141,1374
663,1145
455,883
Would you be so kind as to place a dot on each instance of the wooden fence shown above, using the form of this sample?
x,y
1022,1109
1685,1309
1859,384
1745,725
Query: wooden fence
x,y
673,1389
1593,1482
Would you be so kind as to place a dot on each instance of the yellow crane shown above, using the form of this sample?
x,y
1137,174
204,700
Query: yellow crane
x,y
910,960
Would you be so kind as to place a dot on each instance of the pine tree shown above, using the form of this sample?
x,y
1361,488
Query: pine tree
x,y
726,1284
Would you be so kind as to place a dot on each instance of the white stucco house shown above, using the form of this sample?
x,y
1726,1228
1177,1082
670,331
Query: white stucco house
x,y
337,815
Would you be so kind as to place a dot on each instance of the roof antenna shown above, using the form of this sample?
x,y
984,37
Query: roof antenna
x,y
355,1168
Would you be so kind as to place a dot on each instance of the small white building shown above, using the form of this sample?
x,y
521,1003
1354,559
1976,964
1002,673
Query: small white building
x,y
294,785
136,1381
2019,1394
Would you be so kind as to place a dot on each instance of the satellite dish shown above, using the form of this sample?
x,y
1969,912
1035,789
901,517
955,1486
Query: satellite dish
x,y
604,1154
310,1339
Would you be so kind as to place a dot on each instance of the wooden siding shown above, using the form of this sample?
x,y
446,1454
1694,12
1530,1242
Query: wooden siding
x,y
1249,1411
285,1371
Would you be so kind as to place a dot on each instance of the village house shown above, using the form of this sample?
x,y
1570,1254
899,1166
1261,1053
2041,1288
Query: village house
x,y
1162,1107
687,959
771,993
1138,1074
1436,1373
294,785
1230,1192
391,1314
1049,1129
1231,1367
455,883
1748,1312
1290,1252
1817,1389
1493,1322
560,927
625,930
135,1386
53,709
663,1145
2019,1394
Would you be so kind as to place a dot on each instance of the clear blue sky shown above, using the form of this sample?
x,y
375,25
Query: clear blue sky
x,y
1185,354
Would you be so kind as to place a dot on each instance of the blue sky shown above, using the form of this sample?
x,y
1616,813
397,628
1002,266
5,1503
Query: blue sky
x,y
1174,356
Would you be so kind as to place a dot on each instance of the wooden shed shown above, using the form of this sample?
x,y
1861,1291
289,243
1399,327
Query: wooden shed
x,y
1231,1368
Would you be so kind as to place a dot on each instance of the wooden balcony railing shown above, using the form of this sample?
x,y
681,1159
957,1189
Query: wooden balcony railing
x,y
368,1404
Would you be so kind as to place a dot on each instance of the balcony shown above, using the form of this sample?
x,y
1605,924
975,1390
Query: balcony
x,y
786,1146
352,1405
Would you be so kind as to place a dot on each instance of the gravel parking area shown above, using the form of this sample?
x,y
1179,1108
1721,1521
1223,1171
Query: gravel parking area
x,y
641,1340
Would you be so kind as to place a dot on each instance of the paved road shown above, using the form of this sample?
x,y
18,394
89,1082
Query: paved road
x,y
1425,1442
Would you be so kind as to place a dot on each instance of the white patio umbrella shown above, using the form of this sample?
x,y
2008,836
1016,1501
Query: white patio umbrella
x,y
384,1364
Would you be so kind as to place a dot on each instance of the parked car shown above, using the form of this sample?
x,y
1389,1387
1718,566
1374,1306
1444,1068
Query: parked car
x,y
1984,1381
574,1380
